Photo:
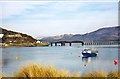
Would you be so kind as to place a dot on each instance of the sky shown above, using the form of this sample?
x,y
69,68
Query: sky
x,y
49,18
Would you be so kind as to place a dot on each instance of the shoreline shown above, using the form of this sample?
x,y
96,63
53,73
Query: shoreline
x,y
5,45
44,45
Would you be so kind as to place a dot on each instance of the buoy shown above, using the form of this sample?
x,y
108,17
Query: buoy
x,y
16,57
85,65
115,62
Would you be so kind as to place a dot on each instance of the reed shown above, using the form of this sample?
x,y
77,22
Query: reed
x,y
35,70
101,74
0,76
96,74
114,74
41,71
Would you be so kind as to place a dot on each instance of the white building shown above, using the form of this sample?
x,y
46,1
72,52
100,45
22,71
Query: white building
x,y
15,35
1,35
38,42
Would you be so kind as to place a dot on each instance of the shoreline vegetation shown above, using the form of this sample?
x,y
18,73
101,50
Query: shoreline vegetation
x,y
37,70
27,44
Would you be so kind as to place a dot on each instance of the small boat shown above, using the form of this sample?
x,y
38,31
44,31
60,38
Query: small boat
x,y
89,53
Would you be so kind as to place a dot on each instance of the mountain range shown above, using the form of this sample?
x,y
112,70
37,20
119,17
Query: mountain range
x,y
102,34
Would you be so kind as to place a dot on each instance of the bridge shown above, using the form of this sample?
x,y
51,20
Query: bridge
x,y
62,43
102,43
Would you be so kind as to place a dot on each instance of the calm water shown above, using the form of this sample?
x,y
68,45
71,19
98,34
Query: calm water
x,y
64,57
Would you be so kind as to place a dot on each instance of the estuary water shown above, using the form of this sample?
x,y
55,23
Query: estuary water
x,y
62,57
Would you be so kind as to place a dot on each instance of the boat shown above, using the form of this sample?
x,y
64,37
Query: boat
x,y
89,53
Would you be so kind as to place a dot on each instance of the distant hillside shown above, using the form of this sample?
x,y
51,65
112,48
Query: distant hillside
x,y
11,36
103,34
57,38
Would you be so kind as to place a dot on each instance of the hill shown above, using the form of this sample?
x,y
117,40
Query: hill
x,y
102,34
11,36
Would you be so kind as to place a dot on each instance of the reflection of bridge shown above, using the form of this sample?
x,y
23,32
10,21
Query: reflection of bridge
x,y
64,42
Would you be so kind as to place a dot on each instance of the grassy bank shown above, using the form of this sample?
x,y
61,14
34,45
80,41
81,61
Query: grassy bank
x,y
27,44
34,70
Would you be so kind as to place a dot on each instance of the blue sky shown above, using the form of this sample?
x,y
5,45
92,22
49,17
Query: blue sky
x,y
49,18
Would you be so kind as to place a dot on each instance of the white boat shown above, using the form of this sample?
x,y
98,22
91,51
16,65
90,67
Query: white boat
x,y
89,53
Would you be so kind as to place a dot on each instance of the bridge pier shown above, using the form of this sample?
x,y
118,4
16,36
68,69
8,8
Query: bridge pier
x,y
55,44
51,44
82,43
70,44
62,44
100,43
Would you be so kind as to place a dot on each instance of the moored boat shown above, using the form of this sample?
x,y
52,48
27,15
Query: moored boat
x,y
89,53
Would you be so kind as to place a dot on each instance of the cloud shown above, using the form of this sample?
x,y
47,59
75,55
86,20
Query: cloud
x,y
53,18
53,10
17,8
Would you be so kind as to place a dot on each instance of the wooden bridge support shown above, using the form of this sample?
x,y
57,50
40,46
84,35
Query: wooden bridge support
x,y
82,43
70,44
55,44
51,44
100,43
62,44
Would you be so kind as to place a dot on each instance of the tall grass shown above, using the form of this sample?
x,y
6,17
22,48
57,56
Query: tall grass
x,y
96,74
34,70
0,76
114,74
41,71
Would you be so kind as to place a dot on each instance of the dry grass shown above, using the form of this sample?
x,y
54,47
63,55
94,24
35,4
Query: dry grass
x,y
41,71
96,74
0,76
34,70
114,74
101,74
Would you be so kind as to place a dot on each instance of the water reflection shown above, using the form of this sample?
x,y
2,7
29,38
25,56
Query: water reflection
x,y
88,59
5,62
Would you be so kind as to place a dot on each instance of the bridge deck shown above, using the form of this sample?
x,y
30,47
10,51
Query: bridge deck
x,y
63,42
